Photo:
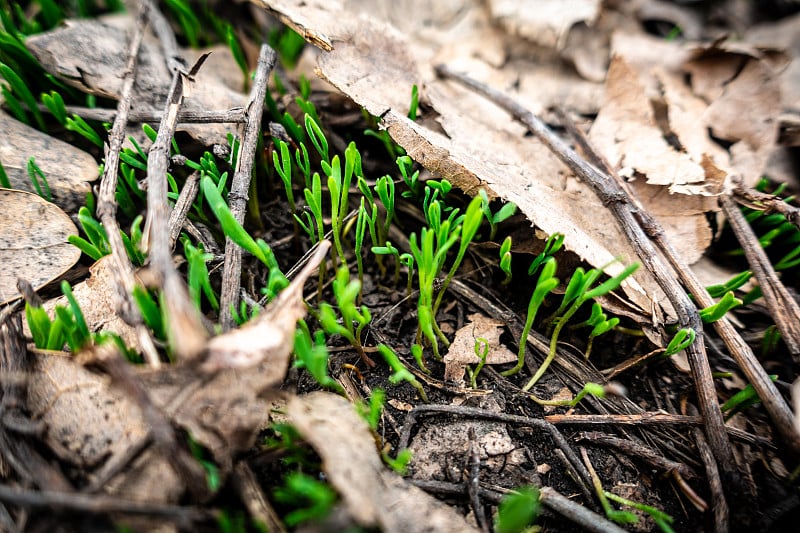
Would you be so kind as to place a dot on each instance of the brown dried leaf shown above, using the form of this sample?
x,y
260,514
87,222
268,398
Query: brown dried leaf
x,y
68,170
743,87
544,22
91,55
33,242
462,349
373,496
87,421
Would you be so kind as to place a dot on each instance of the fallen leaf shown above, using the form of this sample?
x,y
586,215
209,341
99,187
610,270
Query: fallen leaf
x,y
462,350
87,421
742,86
68,170
373,496
91,55
544,22
33,243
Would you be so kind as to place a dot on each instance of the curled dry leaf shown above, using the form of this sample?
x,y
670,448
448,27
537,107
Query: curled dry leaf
x,y
33,242
462,349
544,22
372,495
91,55
68,170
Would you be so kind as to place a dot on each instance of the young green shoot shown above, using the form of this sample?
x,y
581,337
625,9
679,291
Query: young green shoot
x,y
595,389
39,180
576,295
481,350
400,372
505,212
600,324
313,356
718,310
544,285
518,510
747,397
662,519
353,318
680,341
197,274
312,499
505,259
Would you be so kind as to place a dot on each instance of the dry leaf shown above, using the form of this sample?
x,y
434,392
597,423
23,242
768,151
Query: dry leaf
x,y
68,170
742,86
374,496
544,22
87,421
671,183
91,55
33,243
462,350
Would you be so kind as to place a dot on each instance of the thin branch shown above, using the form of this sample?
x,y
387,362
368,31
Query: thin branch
x,y
588,520
237,198
185,325
768,203
232,116
122,270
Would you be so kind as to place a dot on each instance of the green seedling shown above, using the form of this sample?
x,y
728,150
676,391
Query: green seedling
x,y
682,340
745,398
339,187
313,356
662,519
202,456
411,180
197,274
736,282
97,245
579,290
245,313
353,318
600,324
416,353
283,166
718,310
317,138
187,20
78,125
400,372
238,55
518,510
77,332
505,259
544,285
430,255
39,180
400,463
469,227
552,245
481,350
150,311
595,389
414,107
16,89
385,189
276,281
311,499
371,412
494,219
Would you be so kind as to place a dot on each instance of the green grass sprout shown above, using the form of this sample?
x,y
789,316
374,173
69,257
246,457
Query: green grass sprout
x,y
353,318
576,295
312,354
544,285
518,510
505,259
400,372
